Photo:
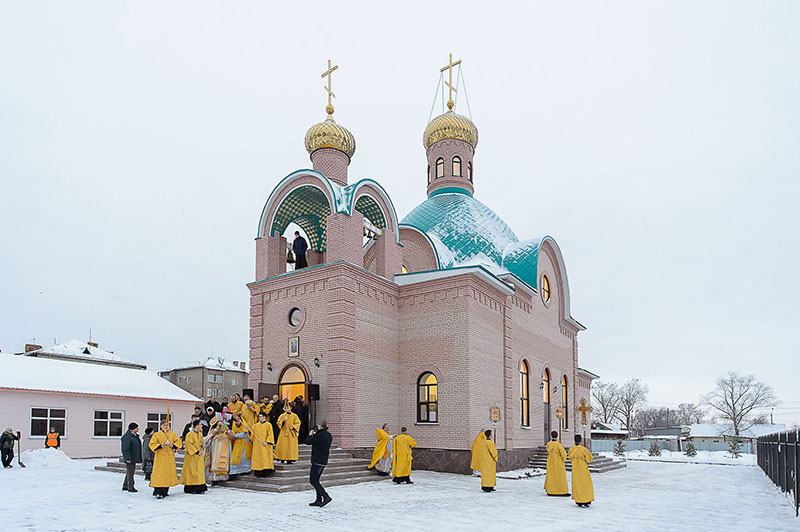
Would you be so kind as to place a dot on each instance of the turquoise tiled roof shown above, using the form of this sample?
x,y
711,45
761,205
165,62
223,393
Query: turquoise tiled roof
x,y
465,231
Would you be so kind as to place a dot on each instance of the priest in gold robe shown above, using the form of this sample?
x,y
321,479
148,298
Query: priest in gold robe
x,y
249,413
489,463
164,443
382,455
263,440
242,450
401,464
193,474
555,483
582,489
478,448
218,451
289,425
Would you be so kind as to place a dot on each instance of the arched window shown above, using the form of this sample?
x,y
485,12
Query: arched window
x,y
565,401
427,398
457,166
292,382
545,289
524,403
429,174
546,402
439,168
469,171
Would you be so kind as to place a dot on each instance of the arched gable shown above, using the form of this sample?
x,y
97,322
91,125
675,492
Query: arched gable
x,y
419,253
550,248
371,200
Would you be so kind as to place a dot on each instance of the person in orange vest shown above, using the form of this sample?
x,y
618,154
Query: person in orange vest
x,y
53,440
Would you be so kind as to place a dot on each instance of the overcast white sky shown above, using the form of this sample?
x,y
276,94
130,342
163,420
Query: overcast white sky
x,y
657,142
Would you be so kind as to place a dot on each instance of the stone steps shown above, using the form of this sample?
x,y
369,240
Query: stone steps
x,y
599,464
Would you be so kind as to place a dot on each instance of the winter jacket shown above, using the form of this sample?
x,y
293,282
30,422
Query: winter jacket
x,y
7,440
320,443
299,246
147,454
131,448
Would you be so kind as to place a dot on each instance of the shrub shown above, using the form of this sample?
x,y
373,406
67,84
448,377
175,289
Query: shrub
x,y
734,449
654,449
690,449
619,448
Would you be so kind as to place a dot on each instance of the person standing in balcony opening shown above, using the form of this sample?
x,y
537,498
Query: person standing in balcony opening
x,y
299,247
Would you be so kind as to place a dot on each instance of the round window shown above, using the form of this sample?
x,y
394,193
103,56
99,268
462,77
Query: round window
x,y
545,289
295,317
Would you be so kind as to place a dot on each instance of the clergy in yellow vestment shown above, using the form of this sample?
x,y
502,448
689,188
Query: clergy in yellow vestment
x,y
193,474
249,413
582,489
164,443
401,465
242,447
289,425
263,441
555,483
478,448
489,464
235,406
218,451
381,451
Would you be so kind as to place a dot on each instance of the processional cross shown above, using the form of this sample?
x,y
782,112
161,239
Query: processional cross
x,y
449,67
331,95
583,409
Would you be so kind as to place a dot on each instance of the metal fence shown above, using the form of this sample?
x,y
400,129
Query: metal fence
x,y
778,456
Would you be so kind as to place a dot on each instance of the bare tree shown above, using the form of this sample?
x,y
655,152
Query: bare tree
x,y
605,401
632,396
689,413
736,396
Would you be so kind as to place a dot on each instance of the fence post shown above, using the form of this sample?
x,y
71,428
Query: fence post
x,y
796,474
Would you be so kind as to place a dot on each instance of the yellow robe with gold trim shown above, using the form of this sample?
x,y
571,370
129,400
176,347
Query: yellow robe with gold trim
x,y
193,472
262,454
489,465
289,425
235,407
556,481
401,465
164,474
238,443
477,451
382,449
582,489
250,417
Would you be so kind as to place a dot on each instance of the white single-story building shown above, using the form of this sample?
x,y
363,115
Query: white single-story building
x,y
90,405
723,433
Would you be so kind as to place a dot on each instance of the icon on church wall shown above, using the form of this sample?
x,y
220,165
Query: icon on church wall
x,y
294,346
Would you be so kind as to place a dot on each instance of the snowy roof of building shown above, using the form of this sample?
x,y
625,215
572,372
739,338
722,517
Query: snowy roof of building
x,y
713,430
81,351
217,363
608,428
51,375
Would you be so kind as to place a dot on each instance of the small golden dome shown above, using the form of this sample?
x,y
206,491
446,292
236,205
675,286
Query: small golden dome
x,y
450,126
329,134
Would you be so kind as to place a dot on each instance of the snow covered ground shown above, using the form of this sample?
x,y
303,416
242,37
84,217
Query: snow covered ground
x,y
703,457
55,493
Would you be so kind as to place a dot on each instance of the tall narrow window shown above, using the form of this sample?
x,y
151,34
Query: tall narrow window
x,y
469,171
427,398
565,401
457,166
429,174
546,386
524,403
439,168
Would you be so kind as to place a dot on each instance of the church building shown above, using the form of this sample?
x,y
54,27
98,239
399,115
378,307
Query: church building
x,y
443,321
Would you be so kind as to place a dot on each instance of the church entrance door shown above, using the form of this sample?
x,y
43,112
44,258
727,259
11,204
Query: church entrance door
x,y
292,382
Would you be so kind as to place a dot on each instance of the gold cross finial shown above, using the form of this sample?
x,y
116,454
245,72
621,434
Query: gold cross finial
x,y
331,95
583,410
450,102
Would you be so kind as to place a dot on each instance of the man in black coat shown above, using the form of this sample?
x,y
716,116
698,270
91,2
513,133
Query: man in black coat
x,y
274,414
320,441
299,246
212,402
131,455
7,446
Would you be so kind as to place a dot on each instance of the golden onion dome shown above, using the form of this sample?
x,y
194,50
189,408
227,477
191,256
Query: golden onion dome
x,y
329,134
450,126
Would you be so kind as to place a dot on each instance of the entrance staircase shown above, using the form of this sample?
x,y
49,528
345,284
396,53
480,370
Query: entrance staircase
x,y
599,464
342,469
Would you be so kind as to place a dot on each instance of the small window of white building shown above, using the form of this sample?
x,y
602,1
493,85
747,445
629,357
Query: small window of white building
x,y
43,418
154,420
233,381
108,424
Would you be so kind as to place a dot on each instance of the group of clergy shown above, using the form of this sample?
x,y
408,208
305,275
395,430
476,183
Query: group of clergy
x,y
555,483
392,455
245,445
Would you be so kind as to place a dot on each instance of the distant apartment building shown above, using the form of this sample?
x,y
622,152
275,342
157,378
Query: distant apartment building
x,y
212,377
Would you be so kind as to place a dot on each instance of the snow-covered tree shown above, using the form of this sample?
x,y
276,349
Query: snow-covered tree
x,y
734,449
619,448
605,401
737,396
654,449
690,449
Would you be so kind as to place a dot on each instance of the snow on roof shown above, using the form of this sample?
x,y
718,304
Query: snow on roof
x,y
50,375
217,363
608,428
714,430
83,351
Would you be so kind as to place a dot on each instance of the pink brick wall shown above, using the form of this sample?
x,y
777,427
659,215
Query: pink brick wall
x,y
446,149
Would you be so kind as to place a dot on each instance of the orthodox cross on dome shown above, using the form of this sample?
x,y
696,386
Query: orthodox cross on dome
x,y
449,67
583,409
331,95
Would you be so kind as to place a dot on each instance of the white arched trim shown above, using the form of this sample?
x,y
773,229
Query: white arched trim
x,y
286,187
564,284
